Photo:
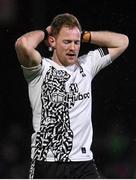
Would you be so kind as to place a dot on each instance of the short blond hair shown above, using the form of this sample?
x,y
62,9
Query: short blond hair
x,y
61,20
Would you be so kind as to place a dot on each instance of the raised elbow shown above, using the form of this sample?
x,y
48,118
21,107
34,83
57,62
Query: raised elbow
x,y
125,41
22,50
20,43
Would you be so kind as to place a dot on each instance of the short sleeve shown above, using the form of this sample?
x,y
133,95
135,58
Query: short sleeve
x,y
31,73
96,60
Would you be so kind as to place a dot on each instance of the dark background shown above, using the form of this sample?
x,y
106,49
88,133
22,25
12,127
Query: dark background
x,y
114,99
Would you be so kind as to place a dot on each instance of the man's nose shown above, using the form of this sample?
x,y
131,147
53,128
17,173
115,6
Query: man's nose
x,y
72,46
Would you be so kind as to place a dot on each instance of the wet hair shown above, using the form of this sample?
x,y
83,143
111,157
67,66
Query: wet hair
x,y
64,20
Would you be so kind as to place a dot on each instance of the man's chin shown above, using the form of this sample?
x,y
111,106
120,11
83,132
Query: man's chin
x,y
71,61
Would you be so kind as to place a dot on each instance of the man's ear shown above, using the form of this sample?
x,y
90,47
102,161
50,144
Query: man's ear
x,y
52,41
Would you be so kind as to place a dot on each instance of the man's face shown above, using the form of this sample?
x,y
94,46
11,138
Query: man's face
x,y
67,46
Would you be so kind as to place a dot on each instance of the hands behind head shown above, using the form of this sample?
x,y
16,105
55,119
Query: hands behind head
x,y
48,29
47,32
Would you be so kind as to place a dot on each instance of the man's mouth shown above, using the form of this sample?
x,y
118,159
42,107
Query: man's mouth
x,y
71,54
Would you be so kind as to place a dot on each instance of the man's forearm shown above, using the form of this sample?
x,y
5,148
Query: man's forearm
x,y
108,39
32,39
104,38
115,42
